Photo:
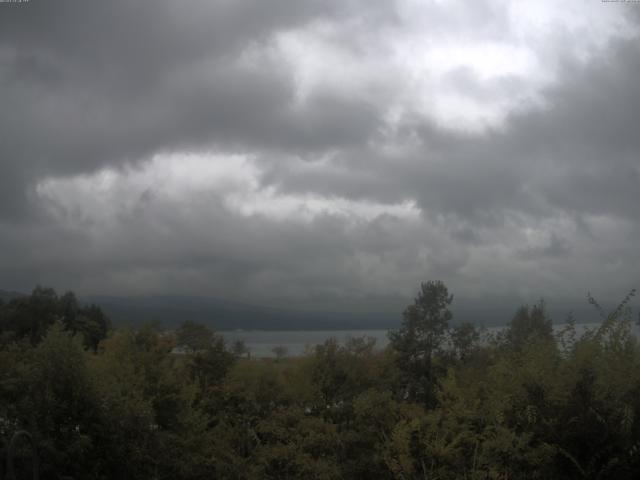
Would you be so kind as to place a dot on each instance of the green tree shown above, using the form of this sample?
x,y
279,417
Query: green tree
x,y
280,351
464,339
89,321
194,336
64,411
240,349
420,337
529,323
30,317
208,366
93,325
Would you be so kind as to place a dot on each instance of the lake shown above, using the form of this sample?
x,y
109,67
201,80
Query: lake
x,y
262,342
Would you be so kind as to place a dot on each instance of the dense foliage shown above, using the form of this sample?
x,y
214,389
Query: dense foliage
x,y
438,403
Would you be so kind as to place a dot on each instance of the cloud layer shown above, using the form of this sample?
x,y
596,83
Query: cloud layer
x,y
320,152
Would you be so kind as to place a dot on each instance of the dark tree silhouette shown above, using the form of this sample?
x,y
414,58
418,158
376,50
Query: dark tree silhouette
x,y
421,335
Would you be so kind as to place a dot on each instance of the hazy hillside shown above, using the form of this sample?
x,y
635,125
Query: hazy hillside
x,y
171,310
6,295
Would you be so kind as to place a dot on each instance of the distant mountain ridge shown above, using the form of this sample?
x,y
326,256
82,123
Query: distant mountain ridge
x,y
171,310
8,295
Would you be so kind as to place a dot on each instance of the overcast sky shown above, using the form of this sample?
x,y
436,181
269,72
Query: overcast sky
x,y
320,152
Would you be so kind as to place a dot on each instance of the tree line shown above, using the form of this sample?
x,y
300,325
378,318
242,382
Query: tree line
x,y
439,402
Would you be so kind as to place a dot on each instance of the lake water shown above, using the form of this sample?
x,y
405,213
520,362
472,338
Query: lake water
x,y
261,342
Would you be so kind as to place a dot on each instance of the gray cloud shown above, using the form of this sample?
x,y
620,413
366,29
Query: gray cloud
x,y
361,181
578,154
85,84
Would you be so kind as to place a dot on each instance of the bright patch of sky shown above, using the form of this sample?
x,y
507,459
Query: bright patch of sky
x,y
431,44
177,178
